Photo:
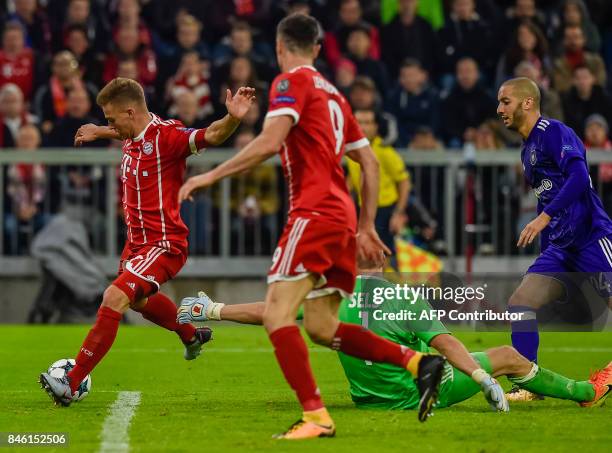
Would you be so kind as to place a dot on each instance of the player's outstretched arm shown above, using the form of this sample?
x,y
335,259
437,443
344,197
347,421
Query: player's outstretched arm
x,y
237,106
369,246
265,145
459,357
90,132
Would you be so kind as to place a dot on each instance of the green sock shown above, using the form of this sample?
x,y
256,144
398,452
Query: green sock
x,y
548,383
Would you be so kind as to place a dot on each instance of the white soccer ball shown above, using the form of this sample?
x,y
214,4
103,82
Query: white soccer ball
x,y
61,367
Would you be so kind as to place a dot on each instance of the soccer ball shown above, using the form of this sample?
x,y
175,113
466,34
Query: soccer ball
x,y
61,367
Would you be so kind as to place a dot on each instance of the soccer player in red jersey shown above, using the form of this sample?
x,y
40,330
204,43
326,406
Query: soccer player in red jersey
x,y
311,124
152,171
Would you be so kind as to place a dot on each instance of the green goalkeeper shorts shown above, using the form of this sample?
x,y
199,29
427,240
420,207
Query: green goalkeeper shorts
x,y
457,386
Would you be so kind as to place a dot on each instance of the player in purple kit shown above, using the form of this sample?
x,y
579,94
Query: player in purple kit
x,y
576,231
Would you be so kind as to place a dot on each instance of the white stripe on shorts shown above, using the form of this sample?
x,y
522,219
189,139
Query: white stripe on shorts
x,y
285,267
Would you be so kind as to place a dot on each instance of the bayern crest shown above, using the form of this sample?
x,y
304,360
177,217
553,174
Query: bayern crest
x,y
147,148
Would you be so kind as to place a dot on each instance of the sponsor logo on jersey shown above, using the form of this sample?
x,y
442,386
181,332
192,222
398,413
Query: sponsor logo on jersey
x,y
283,100
282,86
186,130
87,352
132,285
147,148
546,184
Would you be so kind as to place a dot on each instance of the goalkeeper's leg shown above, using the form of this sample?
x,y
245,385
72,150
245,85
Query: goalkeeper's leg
x,y
505,360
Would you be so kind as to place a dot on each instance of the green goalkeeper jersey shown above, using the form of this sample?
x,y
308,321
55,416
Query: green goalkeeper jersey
x,y
382,384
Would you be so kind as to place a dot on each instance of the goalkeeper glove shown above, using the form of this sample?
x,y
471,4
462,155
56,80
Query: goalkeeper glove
x,y
493,392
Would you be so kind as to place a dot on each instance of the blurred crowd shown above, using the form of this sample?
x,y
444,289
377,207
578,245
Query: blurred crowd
x,y
427,69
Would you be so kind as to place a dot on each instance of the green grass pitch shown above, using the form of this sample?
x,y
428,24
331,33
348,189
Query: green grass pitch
x,y
233,397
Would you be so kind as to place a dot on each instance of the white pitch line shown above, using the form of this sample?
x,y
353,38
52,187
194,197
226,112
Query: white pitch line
x,y
114,436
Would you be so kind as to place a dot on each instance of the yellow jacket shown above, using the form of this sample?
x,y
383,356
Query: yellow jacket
x,y
392,171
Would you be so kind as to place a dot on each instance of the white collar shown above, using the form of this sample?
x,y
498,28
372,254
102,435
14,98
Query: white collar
x,y
307,66
144,131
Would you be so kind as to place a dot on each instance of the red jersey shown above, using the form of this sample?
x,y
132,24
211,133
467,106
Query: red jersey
x,y
18,70
324,128
152,171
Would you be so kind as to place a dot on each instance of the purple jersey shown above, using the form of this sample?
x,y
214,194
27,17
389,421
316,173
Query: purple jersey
x,y
547,154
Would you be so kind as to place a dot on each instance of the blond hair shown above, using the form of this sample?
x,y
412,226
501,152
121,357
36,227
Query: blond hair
x,y
121,91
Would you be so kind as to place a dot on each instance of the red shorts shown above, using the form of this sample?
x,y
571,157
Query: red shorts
x,y
144,268
309,246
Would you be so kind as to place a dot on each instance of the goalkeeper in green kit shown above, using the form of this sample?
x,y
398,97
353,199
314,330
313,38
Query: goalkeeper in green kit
x,y
379,385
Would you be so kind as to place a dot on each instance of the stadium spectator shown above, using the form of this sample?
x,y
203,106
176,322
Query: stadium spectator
x,y
34,22
193,78
585,98
78,113
575,13
521,11
408,36
358,51
17,62
90,64
528,44
575,54
486,137
414,102
79,12
187,111
394,181
550,101
597,137
425,140
128,46
25,192
188,39
241,43
241,73
128,16
335,41
467,105
255,203
50,99
13,115
466,34
345,75
363,96
128,68
220,15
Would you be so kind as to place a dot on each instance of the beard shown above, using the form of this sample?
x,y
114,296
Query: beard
x,y
518,118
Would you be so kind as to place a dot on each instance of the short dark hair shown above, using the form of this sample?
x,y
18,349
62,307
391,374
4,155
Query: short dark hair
x,y
299,32
411,63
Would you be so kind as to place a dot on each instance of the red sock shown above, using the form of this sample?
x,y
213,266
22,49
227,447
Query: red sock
x,y
160,310
358,342
292,355
99,340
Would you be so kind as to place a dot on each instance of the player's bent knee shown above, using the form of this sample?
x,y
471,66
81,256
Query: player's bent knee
x,y
320,334
513,359
115,299
517,298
